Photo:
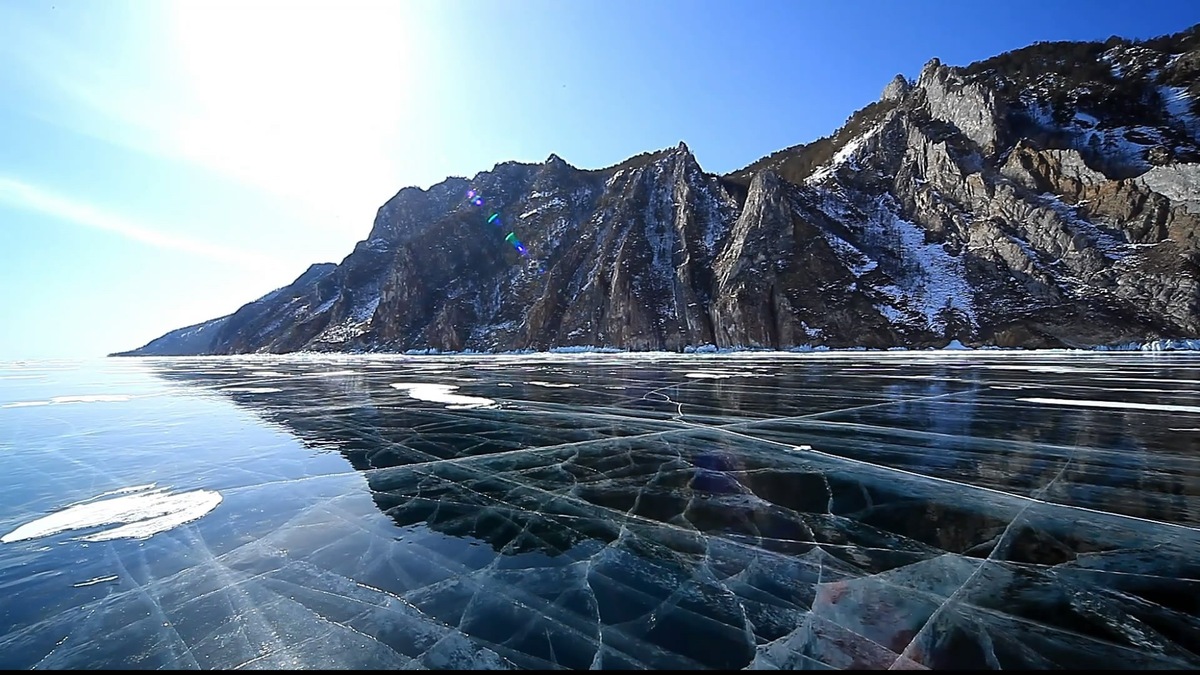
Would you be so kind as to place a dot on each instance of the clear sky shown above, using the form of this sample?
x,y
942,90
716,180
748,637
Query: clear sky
x,y
163,163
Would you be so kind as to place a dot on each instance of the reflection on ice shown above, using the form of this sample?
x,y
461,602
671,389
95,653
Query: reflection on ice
x,y
137,516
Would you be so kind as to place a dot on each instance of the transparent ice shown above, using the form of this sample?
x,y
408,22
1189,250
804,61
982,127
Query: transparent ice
x,y
753,510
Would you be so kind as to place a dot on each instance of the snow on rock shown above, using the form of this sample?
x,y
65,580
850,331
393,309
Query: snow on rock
x,y
1178,103
845,156
927,278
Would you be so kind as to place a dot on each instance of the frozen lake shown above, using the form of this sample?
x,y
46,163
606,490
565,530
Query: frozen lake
x,y
764,510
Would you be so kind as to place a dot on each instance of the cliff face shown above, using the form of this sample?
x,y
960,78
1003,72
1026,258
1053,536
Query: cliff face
x,y
1046,197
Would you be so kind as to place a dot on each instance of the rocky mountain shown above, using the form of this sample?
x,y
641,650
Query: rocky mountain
x,y
1046,197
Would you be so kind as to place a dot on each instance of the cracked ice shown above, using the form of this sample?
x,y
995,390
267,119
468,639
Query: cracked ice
x,y
844,510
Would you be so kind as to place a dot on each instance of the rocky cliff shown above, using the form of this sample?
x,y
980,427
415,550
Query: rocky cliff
x,y
1046,197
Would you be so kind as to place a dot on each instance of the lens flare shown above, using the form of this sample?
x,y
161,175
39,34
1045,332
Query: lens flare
x,y
512,239
475,198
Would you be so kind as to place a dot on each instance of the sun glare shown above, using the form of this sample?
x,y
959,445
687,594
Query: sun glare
x,y
298,98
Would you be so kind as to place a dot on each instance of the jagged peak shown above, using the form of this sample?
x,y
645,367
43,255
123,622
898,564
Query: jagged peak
x,y
558,162
897,88
929,70
319,267
663,156
764,179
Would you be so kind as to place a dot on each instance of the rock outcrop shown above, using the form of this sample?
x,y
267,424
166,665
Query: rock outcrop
x,y
1047,197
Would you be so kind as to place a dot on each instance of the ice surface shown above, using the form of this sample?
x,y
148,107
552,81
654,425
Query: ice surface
x,y
788,510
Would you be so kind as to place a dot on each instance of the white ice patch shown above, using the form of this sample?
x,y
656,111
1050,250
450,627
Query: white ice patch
x,y
136,516
1114,404
98,398
1153,346
442,393
711,375
267,373
95,580
556,385
584,349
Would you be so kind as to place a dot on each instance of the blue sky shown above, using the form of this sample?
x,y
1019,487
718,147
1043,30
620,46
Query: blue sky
x,y
162,163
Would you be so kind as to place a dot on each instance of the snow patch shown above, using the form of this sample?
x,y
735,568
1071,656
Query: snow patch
x,y
1178,103
95,580
927,278
711,375
58,400
442,393
846,156
1126,405
137,516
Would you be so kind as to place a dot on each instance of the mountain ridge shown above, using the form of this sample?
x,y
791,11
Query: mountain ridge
x,y
1045,197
